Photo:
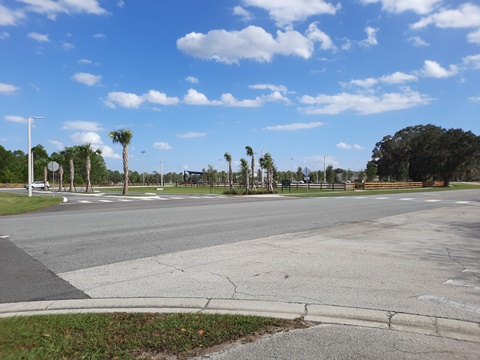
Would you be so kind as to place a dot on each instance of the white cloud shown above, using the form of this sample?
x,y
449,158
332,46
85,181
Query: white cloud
x,y
52,8
229,100
99,36
84,61
192,79
371,39
8,89
16,119
87,79
4,35
123,99
162,145
399,6
82,125
345,146
108,153
38,37
466,16
191,135
10,17
252,43
156,97
87,137
193,97
58,144
286,12
294,127
280,88
417,41
316,35
474,98
398,78
474,37
395,78
67,45
472,61
435,70
363,103
244,14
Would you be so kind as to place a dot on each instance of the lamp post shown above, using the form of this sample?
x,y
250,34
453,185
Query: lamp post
x,y
291,169
143,172
30,162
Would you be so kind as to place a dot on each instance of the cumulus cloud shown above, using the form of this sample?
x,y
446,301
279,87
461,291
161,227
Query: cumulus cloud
x,y
286,12
4,35
371,39
191,135
229,100
472,61
38,37
8,89
417,41
15,119
474,99
156,97
316,35
52,8
474,37
192,79
280,88
82,125
395,78
252,43
87,137
108,152
435,70
345,146
245,15
87,78
161,145
193,97
9,17
466,16
363,104
294,126
58,144
399,6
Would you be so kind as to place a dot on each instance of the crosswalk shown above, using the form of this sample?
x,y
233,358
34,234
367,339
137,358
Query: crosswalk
x,y
117,199
418,199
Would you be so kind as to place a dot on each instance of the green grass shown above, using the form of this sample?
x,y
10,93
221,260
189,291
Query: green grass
x,y
18,204
127,335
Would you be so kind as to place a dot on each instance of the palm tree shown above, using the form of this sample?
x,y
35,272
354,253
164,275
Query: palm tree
x,y
123,137
228,158
244,167
60,158
69,155
86,152
267,163
252,154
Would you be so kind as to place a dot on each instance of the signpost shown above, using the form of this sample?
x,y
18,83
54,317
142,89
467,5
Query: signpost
x,y
306,171
53,166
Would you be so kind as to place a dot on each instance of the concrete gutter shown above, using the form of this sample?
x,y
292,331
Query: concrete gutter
x,y
323,314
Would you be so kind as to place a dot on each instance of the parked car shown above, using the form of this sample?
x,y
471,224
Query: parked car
x,y
38,185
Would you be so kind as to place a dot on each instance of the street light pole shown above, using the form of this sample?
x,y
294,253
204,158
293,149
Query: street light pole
x,y
143,171
30,162
161,172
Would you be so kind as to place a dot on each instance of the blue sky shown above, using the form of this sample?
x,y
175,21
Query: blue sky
x,y
300,79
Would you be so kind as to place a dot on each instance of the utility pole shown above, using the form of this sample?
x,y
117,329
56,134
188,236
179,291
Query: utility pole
x,y
143,172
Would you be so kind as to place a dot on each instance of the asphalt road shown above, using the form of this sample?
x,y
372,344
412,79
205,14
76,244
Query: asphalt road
x,y
73,235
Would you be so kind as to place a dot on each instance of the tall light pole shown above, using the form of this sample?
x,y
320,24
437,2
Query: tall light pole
x,y
324,170
143,172
30,162
161,172
291,169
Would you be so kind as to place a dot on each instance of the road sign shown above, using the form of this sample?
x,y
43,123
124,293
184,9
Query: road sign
x,y
53,166
306,171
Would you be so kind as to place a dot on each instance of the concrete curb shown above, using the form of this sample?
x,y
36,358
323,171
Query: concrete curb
x,y
427,325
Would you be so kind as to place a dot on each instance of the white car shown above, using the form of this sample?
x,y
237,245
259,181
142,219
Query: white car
x,y
38,185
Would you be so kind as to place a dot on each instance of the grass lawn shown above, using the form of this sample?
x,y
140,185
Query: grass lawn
x,y
128,335
18,204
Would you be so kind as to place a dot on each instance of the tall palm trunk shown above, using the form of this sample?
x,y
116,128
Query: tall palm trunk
x,y
60,177
72,174
45,177
88,168
125,170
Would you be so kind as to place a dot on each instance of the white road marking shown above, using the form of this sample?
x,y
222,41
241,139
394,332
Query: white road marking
x,y
462,284
85,201
476,271
454,304
433,200
105,201
407,199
